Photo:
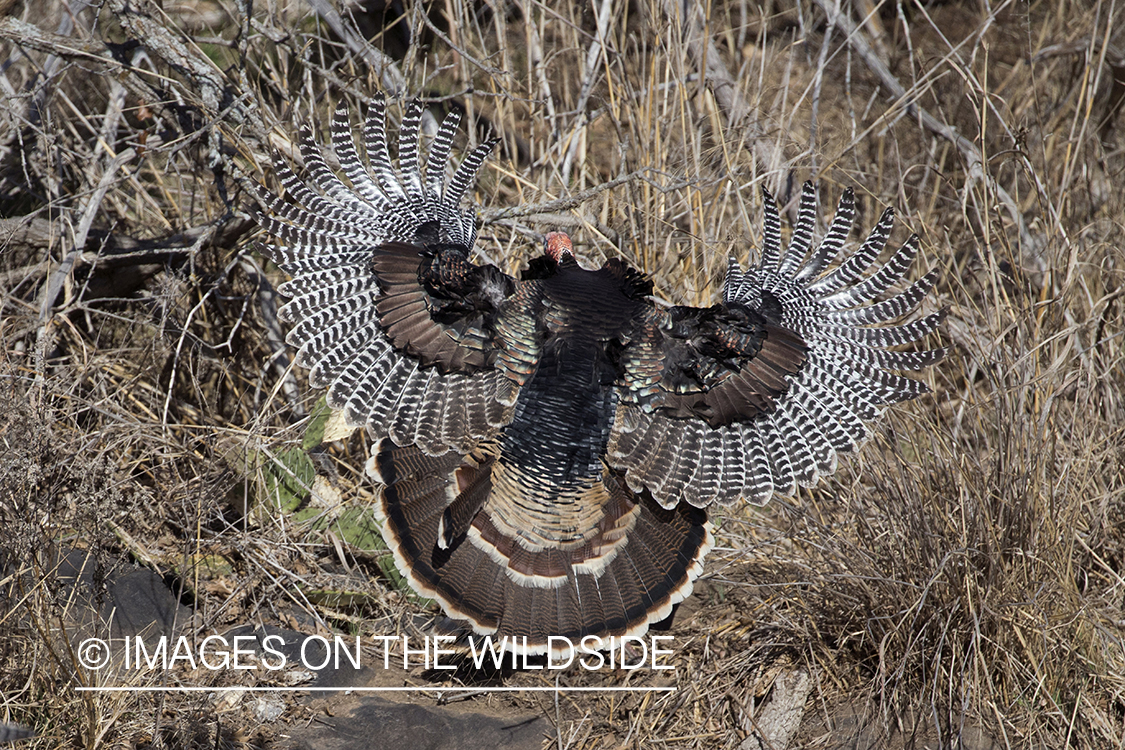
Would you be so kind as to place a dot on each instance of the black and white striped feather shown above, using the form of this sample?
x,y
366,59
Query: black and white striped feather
x,y
329,229
850,372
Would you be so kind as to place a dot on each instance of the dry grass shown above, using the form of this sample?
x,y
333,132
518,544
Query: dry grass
x,y
965,571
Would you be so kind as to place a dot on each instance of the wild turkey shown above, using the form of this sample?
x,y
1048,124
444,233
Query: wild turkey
x,y
548,445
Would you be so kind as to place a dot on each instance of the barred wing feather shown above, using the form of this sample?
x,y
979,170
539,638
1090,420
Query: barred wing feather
x,y
823,366
364,256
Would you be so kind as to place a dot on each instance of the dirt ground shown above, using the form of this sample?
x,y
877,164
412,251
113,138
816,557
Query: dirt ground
x,y
166,470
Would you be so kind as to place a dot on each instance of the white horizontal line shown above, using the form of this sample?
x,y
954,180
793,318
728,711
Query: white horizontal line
x,y
275,689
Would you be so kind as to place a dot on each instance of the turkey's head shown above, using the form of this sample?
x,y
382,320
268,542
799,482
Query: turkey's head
x,y
557,245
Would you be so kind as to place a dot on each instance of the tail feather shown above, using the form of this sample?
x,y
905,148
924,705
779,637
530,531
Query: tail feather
x,y
587,599
640,561
484,583
614,612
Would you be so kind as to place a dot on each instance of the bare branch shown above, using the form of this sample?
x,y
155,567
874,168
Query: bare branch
x,y
1031,248
494,215
741,117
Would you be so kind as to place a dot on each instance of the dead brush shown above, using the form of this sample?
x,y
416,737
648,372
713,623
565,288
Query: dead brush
x,y
953,562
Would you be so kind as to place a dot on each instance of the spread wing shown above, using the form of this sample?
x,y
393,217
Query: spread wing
x,y
389,313
763,391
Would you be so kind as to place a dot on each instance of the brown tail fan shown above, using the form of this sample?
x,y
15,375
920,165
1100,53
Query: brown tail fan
x,y
505,573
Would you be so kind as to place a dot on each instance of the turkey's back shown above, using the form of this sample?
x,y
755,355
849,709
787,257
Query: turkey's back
x,y
565,410
533,535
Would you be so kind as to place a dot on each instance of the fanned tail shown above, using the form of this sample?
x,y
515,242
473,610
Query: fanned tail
x,y
447,520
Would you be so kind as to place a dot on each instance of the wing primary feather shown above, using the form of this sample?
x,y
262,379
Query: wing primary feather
x,y
801,241
858,262
834,239
344,145
438,158
771,233
882,279
409,168
889,309
378,152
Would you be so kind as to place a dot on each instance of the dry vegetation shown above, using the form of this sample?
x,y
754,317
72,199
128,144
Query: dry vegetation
x,y
965,572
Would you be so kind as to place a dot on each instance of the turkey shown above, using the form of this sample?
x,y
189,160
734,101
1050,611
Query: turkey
x,y
548,446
